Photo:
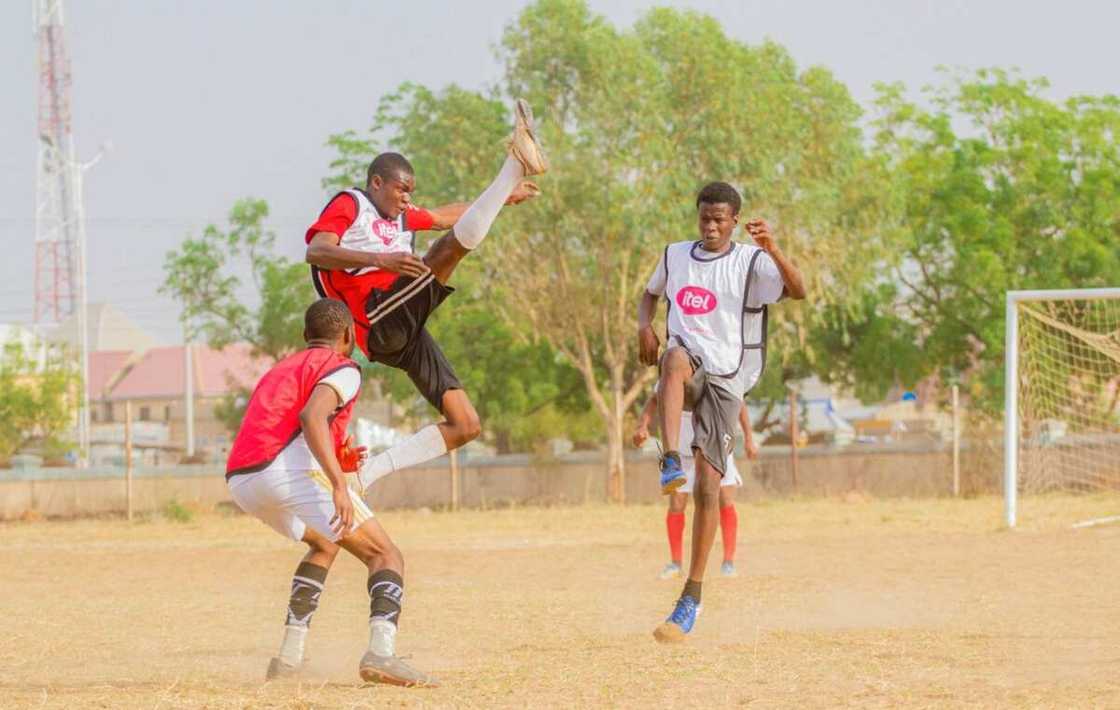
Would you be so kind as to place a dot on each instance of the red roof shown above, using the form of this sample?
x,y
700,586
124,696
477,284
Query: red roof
x,y
104,365
159,374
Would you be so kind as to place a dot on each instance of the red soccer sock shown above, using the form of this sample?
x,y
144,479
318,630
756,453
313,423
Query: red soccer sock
x,y
729,528
674,524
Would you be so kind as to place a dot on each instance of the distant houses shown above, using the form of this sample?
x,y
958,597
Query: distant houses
x,y
128,368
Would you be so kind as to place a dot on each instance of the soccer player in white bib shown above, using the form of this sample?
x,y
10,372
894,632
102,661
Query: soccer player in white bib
x,y
678,499
717,293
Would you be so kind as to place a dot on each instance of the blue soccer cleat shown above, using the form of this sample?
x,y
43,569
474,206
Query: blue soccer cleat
x,y
672,477
680,622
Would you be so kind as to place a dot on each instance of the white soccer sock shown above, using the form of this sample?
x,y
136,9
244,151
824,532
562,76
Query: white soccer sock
x,y
422,446
472,227
382,637
291,648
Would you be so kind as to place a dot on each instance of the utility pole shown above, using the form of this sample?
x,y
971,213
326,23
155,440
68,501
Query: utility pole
x,y
84,427
188,390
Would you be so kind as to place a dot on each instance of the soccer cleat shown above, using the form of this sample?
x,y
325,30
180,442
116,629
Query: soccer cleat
x,y
393,671
680,622
670,571
523,143
279,669
727,569
672,477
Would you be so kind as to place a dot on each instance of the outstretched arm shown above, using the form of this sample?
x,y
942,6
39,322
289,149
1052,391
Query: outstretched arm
x,y
791,275
445,217
749,446
645,420
648,343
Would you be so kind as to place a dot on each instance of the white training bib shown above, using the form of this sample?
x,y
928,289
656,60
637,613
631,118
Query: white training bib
x,y
713,311
370,232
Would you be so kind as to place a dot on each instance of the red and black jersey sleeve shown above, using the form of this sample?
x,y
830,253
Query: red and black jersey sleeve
x,y
336,218
418,219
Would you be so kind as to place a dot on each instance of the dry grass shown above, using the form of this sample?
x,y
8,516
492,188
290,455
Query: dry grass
x,y
842,603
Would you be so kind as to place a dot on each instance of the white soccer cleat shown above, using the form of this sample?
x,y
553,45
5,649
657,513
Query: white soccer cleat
x,y
391,670
523,144
670,571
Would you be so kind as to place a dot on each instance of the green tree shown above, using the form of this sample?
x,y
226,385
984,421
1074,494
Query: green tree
x,y
998,188
202,275
635,122
37,398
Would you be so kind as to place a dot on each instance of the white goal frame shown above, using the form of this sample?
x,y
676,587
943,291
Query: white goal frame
x,y
1011,383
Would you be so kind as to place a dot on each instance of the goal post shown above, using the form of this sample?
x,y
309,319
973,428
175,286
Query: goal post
x,y
1062,376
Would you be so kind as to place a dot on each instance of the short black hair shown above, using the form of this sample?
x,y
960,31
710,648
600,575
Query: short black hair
x,y
326,319
388,166
716,193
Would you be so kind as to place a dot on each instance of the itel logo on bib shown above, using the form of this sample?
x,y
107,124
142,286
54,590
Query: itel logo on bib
x,y
385,230
696,301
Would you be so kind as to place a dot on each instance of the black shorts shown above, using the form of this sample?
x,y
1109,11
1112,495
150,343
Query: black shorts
x,y
398,338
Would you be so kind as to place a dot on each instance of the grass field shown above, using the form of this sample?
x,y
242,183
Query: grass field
x,y
840,603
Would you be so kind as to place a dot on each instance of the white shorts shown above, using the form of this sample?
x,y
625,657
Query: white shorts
x,y
688,459
730,476
290,501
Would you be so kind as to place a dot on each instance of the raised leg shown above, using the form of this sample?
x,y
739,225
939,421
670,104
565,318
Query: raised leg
x,y
471,228
676,370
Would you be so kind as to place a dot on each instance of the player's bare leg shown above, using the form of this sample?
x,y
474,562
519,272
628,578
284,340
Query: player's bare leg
x,y
676,371
373,547
704,524
461,424
307,585
705,519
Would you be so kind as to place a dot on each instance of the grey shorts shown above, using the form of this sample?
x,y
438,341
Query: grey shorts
x,y
715,414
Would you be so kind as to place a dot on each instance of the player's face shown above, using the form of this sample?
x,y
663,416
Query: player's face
x,y
393,196
717,222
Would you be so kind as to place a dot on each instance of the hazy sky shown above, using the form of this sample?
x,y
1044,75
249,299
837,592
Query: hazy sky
x,y
205,102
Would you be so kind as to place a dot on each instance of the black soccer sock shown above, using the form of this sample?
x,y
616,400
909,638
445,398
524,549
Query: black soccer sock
x,y
386,593
692,589
307,585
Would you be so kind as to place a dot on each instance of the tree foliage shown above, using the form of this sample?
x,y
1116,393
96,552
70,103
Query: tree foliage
x,y
998,188
37,398
202,276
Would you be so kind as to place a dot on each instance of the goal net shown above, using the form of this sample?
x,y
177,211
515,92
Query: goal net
x,y
1064,354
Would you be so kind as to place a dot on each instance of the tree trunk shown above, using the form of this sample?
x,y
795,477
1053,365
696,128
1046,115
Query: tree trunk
x,y
616,475
616,458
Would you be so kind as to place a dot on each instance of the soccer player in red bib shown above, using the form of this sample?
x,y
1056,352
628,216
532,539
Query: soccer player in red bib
x,y
717,293
678,499
287,467
361,252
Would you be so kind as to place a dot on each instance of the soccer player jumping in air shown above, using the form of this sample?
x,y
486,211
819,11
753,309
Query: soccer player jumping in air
x,y
361,252
287,467
717,293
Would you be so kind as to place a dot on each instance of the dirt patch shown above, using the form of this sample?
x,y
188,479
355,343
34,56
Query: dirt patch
x,y
880,604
